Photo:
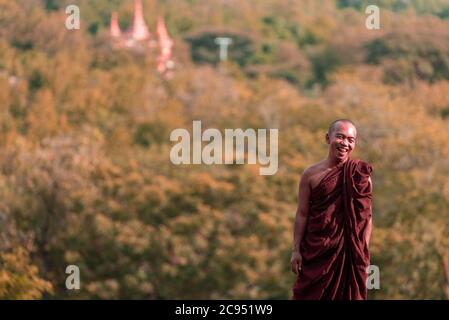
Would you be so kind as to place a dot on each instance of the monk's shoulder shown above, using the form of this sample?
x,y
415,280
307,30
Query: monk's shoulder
x,y
313,173
362,172
306,174
314,169
364,167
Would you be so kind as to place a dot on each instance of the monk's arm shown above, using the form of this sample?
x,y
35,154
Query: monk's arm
x,y
301,211
369,228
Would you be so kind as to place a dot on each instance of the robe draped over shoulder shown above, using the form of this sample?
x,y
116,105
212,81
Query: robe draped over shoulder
x,y
334,250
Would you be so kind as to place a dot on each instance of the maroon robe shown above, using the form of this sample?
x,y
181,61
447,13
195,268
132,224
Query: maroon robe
x,y
334,250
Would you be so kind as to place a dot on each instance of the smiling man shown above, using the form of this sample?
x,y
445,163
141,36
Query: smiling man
x,y
333,222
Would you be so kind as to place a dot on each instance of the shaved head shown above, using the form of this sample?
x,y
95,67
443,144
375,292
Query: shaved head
x,y
334,125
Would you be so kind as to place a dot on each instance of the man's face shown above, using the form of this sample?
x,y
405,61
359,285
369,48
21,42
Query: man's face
x,y
342,141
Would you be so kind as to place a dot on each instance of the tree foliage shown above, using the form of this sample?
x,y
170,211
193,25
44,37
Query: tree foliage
x,y
85,175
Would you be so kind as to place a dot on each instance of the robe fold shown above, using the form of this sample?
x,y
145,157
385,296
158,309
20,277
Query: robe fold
x,y
334,250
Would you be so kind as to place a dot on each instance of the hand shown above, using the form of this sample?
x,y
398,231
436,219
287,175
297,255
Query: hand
x,y
296,262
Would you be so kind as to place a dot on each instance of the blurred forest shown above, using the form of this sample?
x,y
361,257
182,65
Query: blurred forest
x,y
85,175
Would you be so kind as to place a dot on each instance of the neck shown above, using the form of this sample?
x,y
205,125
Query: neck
x,y
333,161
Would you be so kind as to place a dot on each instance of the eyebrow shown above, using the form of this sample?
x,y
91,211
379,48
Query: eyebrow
x,y
344,135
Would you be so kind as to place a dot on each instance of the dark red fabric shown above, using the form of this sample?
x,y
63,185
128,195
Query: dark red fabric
x,y
334,250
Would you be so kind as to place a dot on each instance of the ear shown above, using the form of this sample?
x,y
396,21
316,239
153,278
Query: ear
x,y
328,141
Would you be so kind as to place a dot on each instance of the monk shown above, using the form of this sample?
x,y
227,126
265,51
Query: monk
x,y
333,222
